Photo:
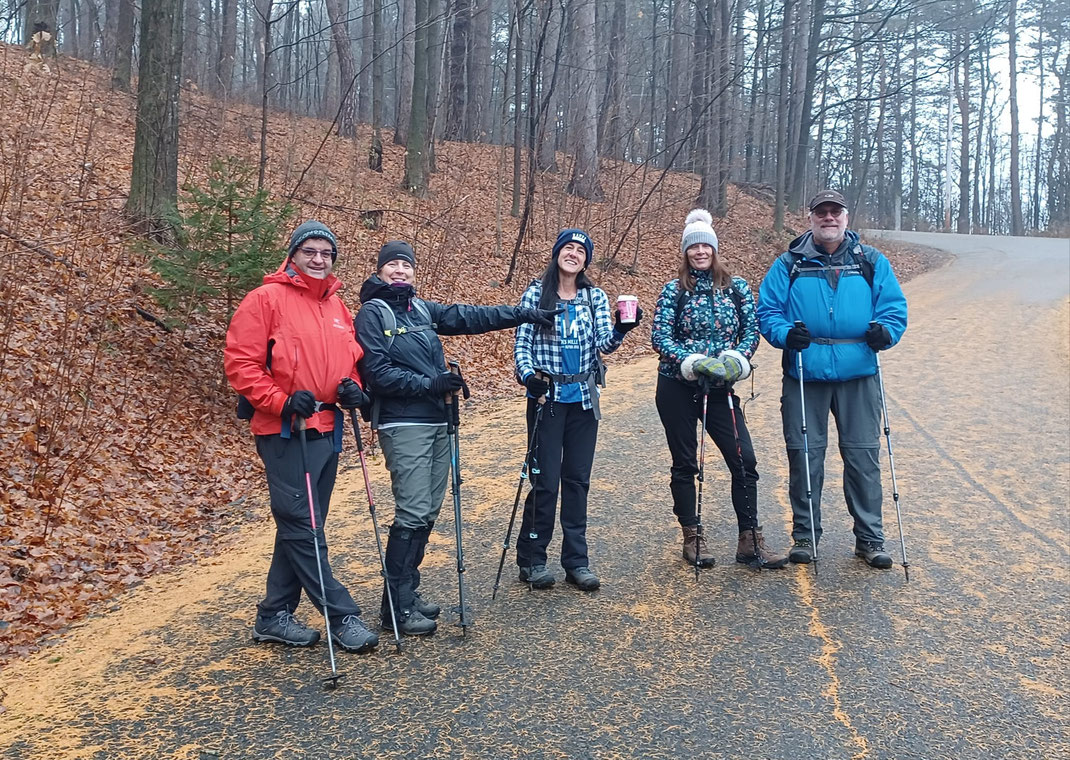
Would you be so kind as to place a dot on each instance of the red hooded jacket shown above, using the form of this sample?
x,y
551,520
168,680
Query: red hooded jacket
x,y
299,327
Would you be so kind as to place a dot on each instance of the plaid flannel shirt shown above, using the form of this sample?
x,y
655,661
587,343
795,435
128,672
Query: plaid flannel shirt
x,y
540,349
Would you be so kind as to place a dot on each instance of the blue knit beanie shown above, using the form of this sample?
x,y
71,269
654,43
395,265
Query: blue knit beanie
x,y
313,229
573,235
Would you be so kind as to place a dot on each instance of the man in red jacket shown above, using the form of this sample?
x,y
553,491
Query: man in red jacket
x,y
290,348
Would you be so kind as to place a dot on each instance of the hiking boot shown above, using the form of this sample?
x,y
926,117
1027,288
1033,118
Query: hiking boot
x,y
413,623
802,553
745,551
582,578
424,607
284,628
695,547
353,636
537,576
874,554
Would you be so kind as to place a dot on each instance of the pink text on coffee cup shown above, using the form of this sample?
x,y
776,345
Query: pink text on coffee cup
x,y
628,306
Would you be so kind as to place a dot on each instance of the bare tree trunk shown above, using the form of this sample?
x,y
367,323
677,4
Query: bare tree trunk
x,y
546,153
415,180
1017,224
518,99
479,73
228,42
41,12
406,69
457,89
368,42
263,10
679,61
783,128
611,121
375,154
337,13
124,47
154,169
962,94
584,182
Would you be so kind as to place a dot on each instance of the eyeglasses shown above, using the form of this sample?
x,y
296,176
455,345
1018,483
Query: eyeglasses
x,y
834,211
313,253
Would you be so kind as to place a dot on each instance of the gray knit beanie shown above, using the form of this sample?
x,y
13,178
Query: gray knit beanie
x,y
313,229
698,228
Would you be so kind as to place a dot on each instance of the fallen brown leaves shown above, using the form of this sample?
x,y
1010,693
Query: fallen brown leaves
x,y
121,455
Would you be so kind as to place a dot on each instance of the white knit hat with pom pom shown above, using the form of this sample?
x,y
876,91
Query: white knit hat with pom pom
x,y
698,228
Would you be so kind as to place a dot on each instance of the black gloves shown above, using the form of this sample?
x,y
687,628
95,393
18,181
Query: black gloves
x,y
537,386
541,317
445,383
301,403
878,337
798,337
350,395
624,327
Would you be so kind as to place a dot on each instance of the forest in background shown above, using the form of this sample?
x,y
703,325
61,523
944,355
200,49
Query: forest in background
x,y
912,107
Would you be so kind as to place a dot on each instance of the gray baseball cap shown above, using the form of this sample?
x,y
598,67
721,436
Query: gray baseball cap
x,y
827,196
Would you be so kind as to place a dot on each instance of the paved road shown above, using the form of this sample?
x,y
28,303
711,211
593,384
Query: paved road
x,y
967,660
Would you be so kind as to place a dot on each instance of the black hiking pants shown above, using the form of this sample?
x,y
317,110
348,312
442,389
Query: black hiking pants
x,y
564,452
293,564
680,408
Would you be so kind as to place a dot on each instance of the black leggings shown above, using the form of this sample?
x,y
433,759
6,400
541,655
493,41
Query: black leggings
x,y
680,408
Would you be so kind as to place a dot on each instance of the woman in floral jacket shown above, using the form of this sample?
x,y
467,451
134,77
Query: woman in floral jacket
x,y
706,330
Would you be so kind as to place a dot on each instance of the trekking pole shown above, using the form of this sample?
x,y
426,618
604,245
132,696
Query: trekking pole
x,y
526,467
453,422
375,527
891,464
806,451
701,473
331,682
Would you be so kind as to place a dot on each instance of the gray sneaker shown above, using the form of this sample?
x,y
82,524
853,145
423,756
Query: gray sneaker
x,y
582,578
353,636
802,553
538,576
874,554
284,628
428,609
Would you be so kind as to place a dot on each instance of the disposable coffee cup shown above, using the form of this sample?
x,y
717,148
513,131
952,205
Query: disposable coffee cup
x,y
628,306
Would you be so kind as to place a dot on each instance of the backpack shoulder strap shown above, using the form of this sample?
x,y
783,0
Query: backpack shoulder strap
x,y
865,266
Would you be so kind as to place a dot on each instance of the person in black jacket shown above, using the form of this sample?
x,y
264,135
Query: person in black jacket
x,y
405,370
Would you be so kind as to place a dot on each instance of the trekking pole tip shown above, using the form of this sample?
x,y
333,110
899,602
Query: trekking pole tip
x,y
330,683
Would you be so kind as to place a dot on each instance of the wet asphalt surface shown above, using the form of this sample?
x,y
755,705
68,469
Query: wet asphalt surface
x,y
969,659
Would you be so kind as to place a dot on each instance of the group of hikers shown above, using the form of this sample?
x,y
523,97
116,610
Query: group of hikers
x,y
297,358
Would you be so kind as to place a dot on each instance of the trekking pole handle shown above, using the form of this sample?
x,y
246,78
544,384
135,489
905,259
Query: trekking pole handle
x,y
542,376
356,429
799,323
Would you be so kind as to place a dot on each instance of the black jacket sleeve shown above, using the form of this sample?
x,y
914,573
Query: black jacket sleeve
x,y
463,319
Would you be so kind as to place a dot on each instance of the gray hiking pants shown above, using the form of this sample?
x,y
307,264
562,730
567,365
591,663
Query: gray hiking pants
x,y
418,457
856,406
293,564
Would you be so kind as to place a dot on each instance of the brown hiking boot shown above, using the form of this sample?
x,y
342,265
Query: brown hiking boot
x,y
765,558
695,549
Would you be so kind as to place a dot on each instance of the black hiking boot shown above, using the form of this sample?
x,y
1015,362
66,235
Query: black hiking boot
x,y
582,578
284,628
874,554
802,553
537,576
352,635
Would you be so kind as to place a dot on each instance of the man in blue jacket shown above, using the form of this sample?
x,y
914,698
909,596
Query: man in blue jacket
x,y
838,302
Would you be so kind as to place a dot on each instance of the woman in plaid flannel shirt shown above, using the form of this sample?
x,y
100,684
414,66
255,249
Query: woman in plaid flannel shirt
x,y
563,365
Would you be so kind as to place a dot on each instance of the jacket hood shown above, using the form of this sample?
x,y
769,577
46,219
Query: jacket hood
x,y
804,244
374,287
288,274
